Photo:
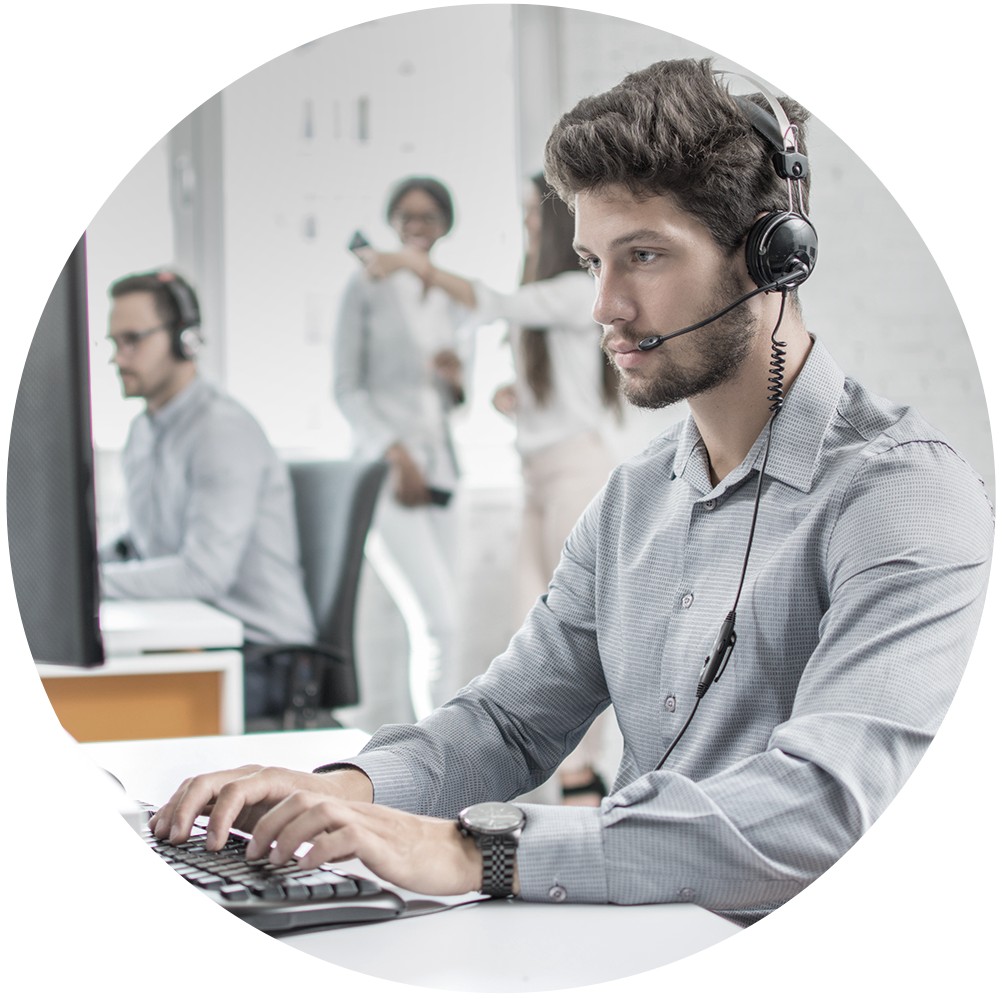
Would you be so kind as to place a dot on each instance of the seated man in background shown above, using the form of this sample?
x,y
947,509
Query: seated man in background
x,y
210,506
858,599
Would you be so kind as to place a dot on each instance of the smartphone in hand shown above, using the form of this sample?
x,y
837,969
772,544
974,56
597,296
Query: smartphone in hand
x,y
359,245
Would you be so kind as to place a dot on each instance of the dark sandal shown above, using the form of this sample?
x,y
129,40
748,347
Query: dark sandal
x,y
593,787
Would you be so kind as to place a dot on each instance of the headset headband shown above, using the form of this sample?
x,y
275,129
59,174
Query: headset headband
x,y
785,126
782,135
186,339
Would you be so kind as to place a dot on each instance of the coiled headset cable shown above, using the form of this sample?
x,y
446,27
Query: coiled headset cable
x,y
725,641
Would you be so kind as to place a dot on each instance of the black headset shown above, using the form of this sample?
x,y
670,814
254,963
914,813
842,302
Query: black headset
x,y
781,244
185,334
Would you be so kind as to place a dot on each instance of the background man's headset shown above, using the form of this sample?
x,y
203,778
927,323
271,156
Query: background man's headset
x,y
781,250
185,334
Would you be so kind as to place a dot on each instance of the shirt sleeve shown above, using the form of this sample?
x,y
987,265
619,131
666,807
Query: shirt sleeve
x,y
350,372
904,604
227,476
567,300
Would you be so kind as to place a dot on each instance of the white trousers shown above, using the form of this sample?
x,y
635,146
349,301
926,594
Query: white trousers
x,y
412,549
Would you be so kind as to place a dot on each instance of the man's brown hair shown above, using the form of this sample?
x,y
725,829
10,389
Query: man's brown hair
x,y
672,128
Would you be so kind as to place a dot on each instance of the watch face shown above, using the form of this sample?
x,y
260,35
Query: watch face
x,y
492,817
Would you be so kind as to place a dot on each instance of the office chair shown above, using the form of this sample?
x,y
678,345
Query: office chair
x,y
334,504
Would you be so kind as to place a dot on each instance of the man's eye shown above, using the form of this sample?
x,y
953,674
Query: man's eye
x,y
590,264
645,256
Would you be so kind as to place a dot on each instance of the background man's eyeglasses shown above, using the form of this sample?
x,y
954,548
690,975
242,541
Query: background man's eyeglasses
x,y
129,340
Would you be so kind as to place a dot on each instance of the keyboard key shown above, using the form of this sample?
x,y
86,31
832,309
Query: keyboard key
x,y
344,887
366,887
250,881
321,890
230,868
234,893
209,881
271,891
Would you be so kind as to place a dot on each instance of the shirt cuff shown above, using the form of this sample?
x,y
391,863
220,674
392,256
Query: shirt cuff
x,y
560,856
392,780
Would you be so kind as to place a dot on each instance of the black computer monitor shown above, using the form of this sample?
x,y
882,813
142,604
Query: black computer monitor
x,y
51,521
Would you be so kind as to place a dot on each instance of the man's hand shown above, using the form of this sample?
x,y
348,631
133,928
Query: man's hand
x,y
240,797
420,853
408,482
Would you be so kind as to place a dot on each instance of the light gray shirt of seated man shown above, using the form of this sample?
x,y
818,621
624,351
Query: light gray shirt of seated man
x,y
864,591
211,517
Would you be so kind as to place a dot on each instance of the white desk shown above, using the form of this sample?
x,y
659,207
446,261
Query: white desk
x,y
158,638
487,947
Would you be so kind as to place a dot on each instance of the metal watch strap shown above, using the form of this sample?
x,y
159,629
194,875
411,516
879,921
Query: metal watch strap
x,y
498,864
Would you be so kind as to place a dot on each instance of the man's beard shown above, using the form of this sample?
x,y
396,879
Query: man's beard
x,y
725,345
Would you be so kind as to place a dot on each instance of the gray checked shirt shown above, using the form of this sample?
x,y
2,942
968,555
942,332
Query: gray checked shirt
x,y
211,517
864,591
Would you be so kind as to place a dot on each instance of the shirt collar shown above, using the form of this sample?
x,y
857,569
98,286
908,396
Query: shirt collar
x,y
187,399
797,438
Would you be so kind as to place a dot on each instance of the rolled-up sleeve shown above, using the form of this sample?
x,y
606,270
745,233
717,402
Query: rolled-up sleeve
x,y
558,301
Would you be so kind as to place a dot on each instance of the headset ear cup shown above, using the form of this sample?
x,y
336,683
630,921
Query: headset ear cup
x,y
779,244
187,343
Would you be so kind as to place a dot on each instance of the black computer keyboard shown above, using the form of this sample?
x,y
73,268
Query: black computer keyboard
x,y
276,898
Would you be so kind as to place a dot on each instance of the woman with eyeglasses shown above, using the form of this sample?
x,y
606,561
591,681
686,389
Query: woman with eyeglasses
x,y
397,377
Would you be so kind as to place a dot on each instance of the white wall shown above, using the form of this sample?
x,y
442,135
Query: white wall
x,y
132,232
300,178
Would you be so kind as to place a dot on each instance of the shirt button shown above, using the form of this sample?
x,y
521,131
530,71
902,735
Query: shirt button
x,y
557,894
687,600
710,504
686,894
670,704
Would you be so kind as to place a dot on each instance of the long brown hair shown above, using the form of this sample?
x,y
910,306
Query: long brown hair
x,y
555,256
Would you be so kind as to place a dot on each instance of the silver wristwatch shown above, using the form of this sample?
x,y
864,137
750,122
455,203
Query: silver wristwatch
x,y
496,828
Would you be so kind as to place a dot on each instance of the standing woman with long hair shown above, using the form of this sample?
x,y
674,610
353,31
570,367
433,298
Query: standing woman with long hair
x,y
563,389
397,376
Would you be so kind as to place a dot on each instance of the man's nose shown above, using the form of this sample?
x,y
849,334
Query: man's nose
x,y
613,304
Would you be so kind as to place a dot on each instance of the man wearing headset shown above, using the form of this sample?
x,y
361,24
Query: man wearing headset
x,y
209,503
855,605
